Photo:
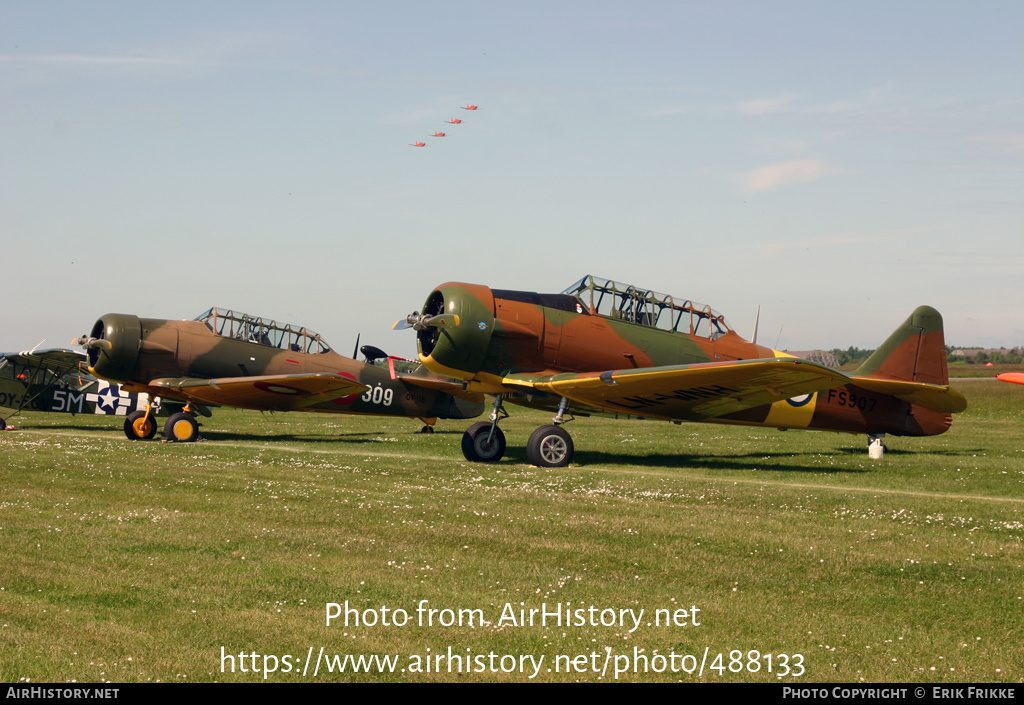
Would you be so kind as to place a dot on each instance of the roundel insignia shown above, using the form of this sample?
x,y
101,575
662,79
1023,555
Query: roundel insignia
x,y
801,400
481,325
348,399
278,388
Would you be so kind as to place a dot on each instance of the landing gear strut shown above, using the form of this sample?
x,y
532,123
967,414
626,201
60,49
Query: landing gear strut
x,y
551,446
140,425
484,442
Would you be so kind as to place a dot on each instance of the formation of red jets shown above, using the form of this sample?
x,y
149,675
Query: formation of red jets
x,y
452,121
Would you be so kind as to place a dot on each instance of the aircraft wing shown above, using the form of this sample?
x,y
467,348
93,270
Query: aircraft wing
x,y
60,360
270,392
441,384
687,392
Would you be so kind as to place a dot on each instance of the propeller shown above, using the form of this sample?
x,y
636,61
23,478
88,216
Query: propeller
x,y
88,342
420,321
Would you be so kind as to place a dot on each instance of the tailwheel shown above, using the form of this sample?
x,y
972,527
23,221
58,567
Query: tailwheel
x,y
140,426
876,446
427,429
549,447
479,445
181,428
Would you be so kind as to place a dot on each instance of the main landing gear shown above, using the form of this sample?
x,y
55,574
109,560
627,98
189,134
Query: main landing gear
x,y
140,425
181,427
549,446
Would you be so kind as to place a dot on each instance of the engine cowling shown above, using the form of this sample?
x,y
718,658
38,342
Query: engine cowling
x,y
458,351
113,349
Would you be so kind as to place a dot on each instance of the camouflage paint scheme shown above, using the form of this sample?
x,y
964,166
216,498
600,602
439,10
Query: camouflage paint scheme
x,y
52,381
225,358
602,346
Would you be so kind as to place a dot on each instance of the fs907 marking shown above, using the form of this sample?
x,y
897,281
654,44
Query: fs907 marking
x,y
844,397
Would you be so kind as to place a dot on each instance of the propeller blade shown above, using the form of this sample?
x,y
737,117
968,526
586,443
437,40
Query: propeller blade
x,y
418,321
89,343
445,320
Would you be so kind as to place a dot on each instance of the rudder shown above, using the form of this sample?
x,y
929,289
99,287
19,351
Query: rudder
x,y
915,352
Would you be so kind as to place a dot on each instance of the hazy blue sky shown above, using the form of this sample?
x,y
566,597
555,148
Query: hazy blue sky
x,y
836,163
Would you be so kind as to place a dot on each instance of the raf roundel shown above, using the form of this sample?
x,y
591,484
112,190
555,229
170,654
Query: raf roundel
x,y
278,388
801,400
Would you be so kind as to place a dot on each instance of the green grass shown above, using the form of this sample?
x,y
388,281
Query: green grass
x,y
139,561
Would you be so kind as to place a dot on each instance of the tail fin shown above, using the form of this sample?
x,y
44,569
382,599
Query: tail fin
x,y
911,365
916,352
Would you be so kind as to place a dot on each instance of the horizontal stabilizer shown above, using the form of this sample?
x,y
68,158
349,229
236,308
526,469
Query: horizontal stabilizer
x,y
937,397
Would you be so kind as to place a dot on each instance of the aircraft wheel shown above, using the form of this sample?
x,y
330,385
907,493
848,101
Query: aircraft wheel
x,y
475,446
427,429
181,428
138,427
549,447
3,425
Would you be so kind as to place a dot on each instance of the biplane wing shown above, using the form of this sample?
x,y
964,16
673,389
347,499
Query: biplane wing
x,y
59,360
266,392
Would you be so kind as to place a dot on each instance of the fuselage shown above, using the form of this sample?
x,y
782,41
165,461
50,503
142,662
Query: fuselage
x,y
504,332
139,351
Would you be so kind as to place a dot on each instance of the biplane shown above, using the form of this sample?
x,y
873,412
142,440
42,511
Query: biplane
x,y
229,358
605,347
54,380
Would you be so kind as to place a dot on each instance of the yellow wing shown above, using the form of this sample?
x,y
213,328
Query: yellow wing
x,y
270,392
687,392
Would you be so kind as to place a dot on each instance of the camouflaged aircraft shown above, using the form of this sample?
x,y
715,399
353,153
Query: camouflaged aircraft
x,y
605,347
52,380
227,358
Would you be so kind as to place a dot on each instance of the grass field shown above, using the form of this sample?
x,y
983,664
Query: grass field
x,y
146,561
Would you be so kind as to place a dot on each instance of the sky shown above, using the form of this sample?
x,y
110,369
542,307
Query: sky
x,y
836,164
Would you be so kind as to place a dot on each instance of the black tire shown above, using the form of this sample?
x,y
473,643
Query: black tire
x,y
475,447
427,429
550,447
137,429
181,428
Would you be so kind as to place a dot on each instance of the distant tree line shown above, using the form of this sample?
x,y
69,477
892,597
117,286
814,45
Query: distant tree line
x,y
974,356
854,357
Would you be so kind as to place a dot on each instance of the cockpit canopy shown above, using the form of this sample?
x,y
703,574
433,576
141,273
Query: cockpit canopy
x,y
253,329
626,302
